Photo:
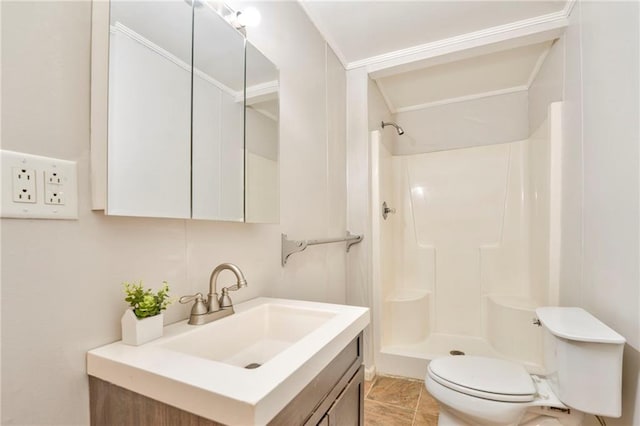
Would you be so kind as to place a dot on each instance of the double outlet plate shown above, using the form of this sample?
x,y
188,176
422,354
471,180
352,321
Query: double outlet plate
x,y
38,187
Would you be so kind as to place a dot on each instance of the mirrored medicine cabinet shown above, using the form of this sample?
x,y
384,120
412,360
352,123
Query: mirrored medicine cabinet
x,y
184,114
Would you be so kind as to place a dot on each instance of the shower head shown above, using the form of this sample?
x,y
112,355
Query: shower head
x,y
391,123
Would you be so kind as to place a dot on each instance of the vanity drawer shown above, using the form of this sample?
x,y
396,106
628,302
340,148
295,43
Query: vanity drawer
x,y
348,409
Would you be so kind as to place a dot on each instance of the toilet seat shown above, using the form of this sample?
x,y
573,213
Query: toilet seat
x,y
481,377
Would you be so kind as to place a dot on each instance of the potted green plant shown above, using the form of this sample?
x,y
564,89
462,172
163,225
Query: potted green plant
x,y
143,321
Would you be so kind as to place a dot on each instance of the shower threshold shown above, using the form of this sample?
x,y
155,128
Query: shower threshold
x,y
438,345
411,360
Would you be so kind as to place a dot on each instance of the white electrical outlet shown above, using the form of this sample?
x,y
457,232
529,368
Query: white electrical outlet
x,y
52,177
23,185
54,183
38,187
54,198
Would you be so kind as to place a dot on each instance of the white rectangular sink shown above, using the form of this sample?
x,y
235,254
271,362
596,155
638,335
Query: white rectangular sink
x,y
251,337
201,369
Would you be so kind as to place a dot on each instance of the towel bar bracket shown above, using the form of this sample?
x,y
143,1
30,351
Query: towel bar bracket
x,y
290,247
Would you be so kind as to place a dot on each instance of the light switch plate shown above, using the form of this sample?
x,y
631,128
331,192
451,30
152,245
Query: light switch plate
x,y
46,177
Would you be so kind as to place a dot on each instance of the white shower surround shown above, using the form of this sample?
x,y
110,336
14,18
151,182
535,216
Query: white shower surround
x,y
470,253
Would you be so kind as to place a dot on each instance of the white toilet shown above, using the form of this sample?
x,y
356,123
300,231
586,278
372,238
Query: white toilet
x,y
583,359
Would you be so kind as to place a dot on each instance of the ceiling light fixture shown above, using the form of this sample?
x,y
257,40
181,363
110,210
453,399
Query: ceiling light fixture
x,y
249,17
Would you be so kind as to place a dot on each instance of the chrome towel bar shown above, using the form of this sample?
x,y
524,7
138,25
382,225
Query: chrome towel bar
x,y
294,246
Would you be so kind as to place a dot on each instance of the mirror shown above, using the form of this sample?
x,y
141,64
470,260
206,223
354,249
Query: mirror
x,y
149,114
180,144
218,118
262,193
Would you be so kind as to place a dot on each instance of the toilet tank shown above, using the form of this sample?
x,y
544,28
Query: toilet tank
x,y
583,358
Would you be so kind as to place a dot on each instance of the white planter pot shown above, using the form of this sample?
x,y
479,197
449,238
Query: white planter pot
x,y
138,331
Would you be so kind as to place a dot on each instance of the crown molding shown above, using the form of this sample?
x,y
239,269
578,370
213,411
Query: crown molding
x,y
119,27
262,92
515,34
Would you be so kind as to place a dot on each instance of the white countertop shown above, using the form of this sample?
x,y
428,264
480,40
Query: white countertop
x,y
223,392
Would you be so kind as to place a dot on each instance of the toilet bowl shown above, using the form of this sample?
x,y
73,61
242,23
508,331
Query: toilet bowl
x,y
475,390
584,361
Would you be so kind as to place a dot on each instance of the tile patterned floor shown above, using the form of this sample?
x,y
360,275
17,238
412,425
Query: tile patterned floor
x,y
395,401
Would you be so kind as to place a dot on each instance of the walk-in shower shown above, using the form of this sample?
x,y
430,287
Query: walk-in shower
x,y
470,253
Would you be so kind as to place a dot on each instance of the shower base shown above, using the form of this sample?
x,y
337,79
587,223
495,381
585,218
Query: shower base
x,y
411,360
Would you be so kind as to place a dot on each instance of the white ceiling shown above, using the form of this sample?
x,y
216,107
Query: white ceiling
x,y
374,32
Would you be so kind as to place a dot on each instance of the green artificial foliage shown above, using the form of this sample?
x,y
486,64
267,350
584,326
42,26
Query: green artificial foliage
x,y
144,302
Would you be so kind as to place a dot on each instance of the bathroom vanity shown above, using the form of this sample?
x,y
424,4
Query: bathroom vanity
x,y
274,361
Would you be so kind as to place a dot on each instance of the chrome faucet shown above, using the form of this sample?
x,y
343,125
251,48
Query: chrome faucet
x,y
213,308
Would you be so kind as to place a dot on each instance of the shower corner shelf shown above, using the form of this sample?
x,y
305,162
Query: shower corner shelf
x,y
290,247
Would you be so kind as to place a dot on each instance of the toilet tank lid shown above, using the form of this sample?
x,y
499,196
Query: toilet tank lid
x,y
577,324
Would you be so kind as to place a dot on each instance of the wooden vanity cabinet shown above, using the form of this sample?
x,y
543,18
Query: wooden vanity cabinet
x,y
348,409
334,397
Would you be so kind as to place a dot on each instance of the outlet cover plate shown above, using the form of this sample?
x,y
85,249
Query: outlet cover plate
x,y
43,168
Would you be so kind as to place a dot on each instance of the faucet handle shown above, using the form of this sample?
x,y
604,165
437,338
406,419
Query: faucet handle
x,y
225,300
186,299
199,307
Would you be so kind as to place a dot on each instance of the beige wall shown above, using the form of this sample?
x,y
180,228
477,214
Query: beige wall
x,y
601,177
61,291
